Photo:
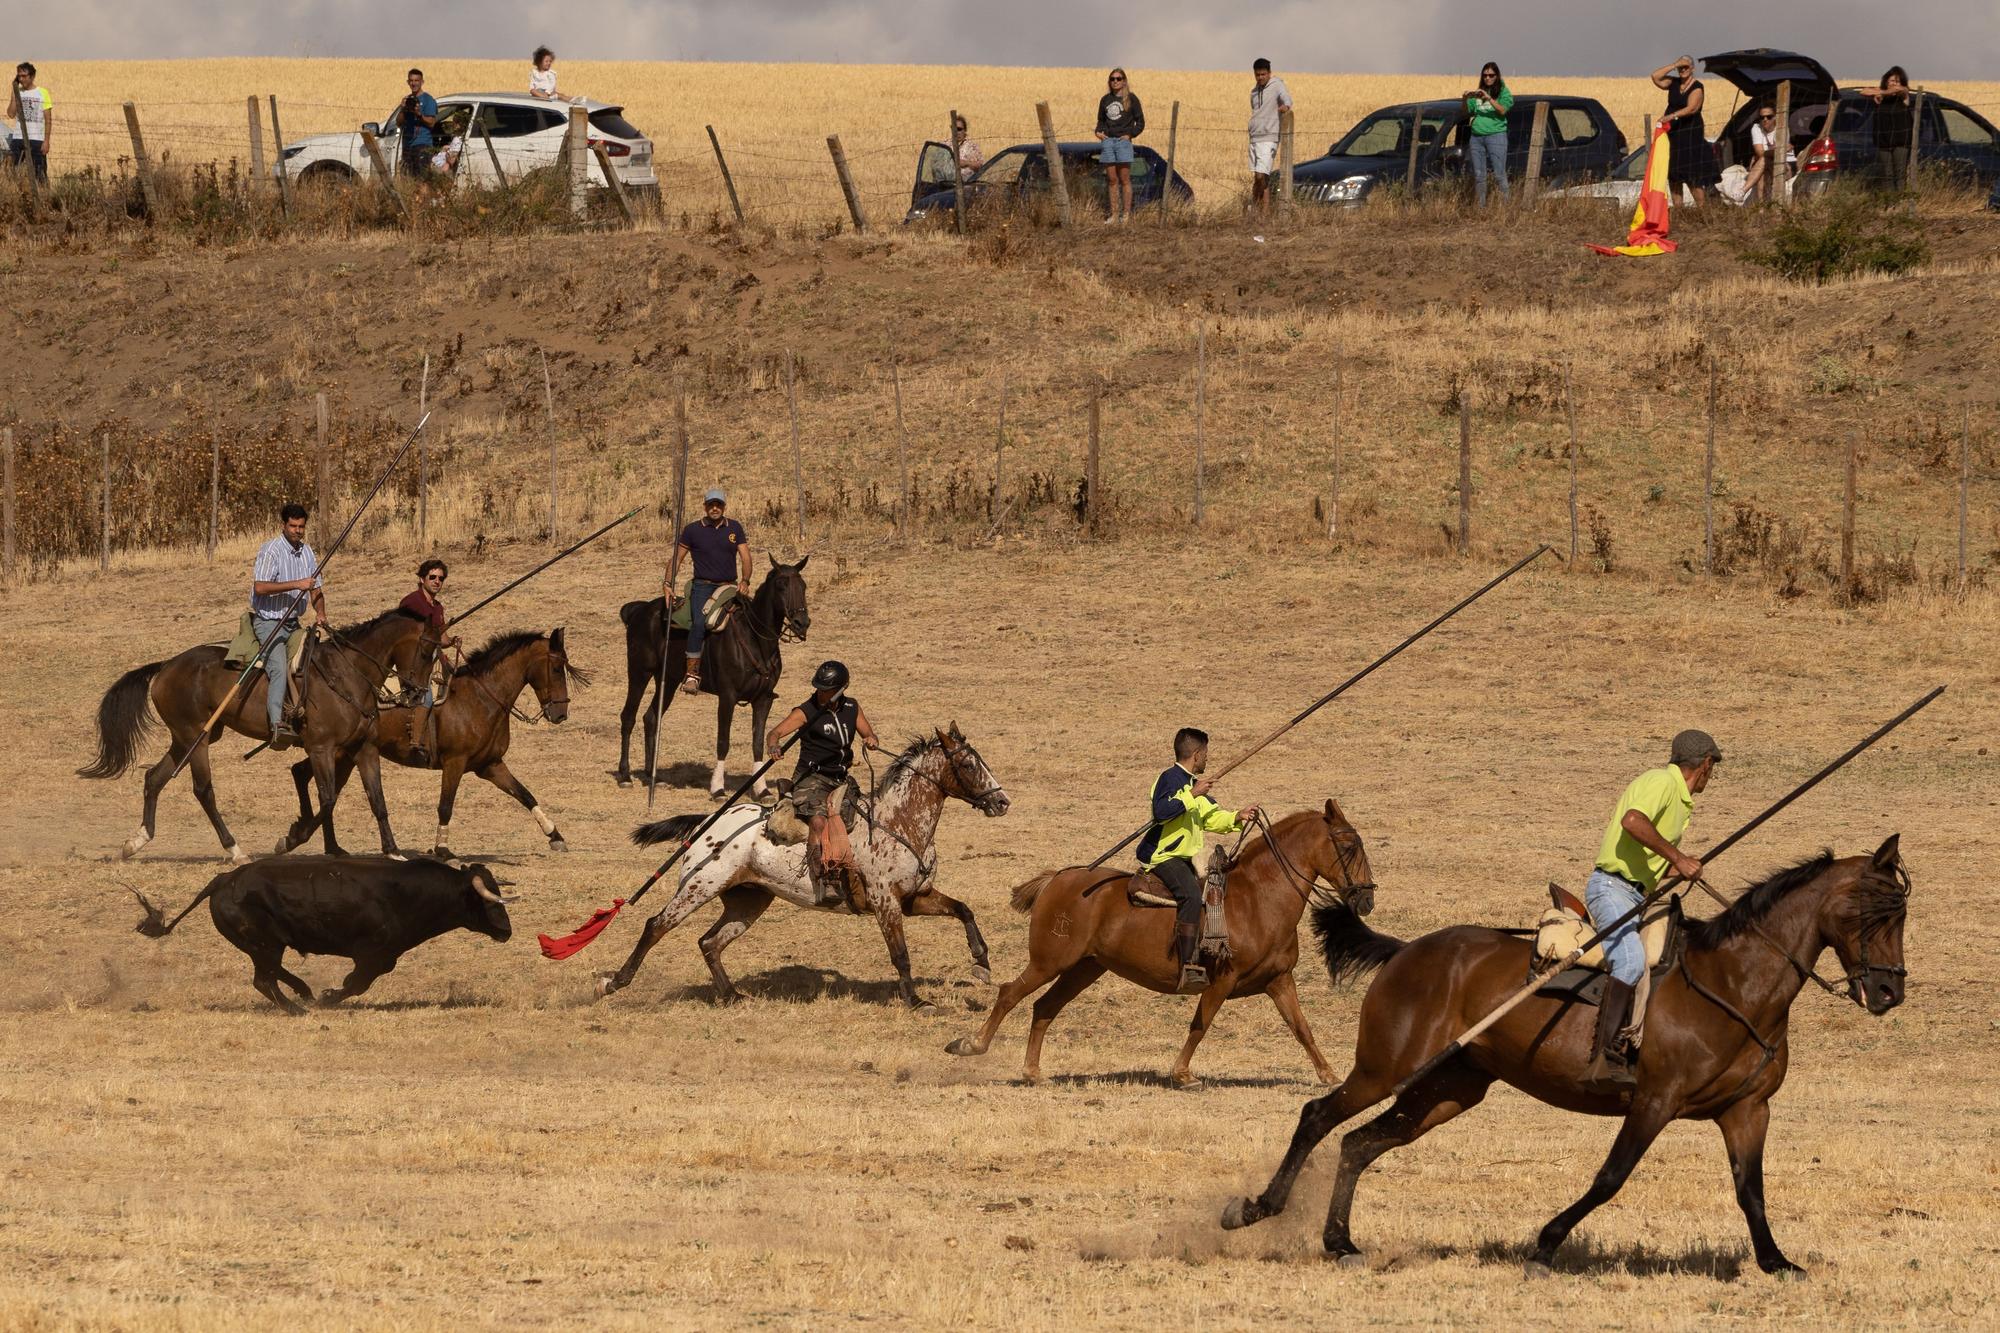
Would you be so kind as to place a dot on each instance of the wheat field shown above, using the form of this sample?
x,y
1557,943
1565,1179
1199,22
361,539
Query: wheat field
x,y
773,120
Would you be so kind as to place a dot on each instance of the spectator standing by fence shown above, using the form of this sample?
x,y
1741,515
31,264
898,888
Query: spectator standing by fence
x,y
1120,120
29,106
1488,105
963,150
1267,99
1690,158
1771,155
1894,124
414,120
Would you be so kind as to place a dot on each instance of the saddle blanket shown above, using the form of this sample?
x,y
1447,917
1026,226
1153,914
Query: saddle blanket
x,y
244,646
717,610
1561,929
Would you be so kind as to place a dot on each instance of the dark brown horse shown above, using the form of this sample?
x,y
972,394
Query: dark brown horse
x,y
740,664
342,678
1715,1041
470,731
1082,927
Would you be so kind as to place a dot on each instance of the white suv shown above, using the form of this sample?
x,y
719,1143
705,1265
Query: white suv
x,y
526,134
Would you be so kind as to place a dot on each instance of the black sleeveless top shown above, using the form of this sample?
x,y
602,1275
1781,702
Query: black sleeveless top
x,y
826,742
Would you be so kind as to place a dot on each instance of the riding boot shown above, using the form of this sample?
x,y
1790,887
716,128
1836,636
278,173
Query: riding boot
x,y
1194,977
829,882
1610,1067
691,680
420,736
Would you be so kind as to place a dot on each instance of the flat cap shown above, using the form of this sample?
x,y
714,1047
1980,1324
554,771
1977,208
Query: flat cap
x,y
1691,747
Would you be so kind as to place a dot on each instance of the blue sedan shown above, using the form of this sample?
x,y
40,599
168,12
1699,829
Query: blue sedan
x,y
1016,175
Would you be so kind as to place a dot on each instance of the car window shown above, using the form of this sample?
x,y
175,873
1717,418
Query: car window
x,y
1632,168
1573,125
936,166
1141,167
1853,116
511,122
610,122
1960,128
1006,168
1387,133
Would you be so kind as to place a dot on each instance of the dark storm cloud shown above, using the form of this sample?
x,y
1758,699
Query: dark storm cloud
x,y
1939,39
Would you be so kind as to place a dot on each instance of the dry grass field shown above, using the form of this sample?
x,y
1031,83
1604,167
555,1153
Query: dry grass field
x,y
477,1143
773,120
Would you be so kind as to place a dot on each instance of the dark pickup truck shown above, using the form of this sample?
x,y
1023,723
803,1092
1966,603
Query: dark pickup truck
x,y
1580,143
1015,175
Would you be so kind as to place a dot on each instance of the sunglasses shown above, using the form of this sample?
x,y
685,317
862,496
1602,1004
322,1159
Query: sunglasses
x,y
433,578
1766,115
1117,79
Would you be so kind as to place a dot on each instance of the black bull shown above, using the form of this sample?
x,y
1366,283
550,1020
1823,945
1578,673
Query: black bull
x,y
370,910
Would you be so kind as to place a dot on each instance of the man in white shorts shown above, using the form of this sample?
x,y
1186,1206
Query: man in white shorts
x,y
1267,99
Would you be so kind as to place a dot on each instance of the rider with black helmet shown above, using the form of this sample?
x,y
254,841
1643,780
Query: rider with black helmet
x,y
829,722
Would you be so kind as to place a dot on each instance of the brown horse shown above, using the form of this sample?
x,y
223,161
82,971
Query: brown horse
x,y
1715,1042
342,678
1082,927
470,728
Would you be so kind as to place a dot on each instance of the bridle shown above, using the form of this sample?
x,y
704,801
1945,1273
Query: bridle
x,y
926,867
1307,886
787,631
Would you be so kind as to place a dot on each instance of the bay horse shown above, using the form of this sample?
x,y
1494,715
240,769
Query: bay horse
x,y
740,664
1715,1044
895,841
343,677
1082,926
470,727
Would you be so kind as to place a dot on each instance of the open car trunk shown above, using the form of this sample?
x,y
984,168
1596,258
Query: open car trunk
x,y
1757,73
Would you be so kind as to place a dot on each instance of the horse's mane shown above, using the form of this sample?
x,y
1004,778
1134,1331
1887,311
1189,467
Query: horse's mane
x,y
1756,903
913,749
361,627
497,650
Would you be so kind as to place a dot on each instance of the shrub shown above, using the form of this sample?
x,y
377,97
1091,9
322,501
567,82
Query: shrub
x,y
1851,234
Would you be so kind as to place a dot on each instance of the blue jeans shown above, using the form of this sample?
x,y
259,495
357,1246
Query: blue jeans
x,y
1489,153
1609,898
277,662
1115,152
698,594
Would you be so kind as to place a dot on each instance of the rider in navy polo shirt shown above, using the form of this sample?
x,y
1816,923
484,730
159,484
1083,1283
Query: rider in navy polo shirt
x,y
721,551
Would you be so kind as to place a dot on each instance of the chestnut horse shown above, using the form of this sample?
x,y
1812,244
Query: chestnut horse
x,y
1714,1049
1082,927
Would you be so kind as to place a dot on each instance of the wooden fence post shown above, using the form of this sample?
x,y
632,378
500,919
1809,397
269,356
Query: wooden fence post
x,y
1173,142
999,454
1780,175
373,146
1285,156
576,154
1909,181
549,417
1708,482
1200,419
1416,145
847,189
1847,526
1646,129
1333,508
321,498
259,182
680,460
612,183
902,458
7,508
1057,181
957,176
493,157
1092,501
1569,409
104,550
214,489
424,458
1538,137
728,181
1464,469
1964,484
798,454
141,163
278,154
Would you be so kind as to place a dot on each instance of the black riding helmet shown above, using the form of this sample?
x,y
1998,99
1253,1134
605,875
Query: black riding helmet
x,y
830,676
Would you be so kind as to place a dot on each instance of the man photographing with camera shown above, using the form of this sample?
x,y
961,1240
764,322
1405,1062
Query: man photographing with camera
x,y
414,119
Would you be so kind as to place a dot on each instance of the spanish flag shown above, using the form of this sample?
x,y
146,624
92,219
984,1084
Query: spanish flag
x,y
1648,235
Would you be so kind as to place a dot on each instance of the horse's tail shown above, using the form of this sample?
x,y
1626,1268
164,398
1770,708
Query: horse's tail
x,y
1025,894
1352,948
675,828
124,717
155,925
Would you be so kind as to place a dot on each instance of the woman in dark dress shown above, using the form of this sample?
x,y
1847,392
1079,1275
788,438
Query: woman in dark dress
x,y
1893,123
1691,158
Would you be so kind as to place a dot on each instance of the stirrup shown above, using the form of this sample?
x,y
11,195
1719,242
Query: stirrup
x,y
691,683
1194,980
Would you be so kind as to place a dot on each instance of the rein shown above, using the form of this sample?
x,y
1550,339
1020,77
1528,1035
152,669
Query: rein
x,y
1308,887
926,867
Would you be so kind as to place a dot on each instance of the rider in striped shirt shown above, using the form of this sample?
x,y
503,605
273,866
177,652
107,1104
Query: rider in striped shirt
x,y
285,567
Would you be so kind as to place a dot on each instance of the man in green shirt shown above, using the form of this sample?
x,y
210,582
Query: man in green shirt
x,y
1640,843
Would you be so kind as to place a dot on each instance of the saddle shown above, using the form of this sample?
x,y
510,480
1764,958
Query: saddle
x,y
714,615
1145,889
245,645
784,826
1566,924
830,864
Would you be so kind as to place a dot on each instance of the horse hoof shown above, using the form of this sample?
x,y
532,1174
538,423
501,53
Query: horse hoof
x,y
982,975
1791,1273
1236,1214
237,856
1184,1082
1534,1270
1353,1260
961,1046
329,998
558,845
134,845
923,1007
284,845
728,998
624,782
442,853
605,984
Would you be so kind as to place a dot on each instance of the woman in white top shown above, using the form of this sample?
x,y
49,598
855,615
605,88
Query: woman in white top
x,y
1766,135
542,83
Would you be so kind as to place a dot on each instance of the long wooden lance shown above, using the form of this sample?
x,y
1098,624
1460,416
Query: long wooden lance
x,y
1342,688
299,602
1666,886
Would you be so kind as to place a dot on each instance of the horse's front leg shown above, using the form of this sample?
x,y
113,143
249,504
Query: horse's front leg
x,y
889,916
369,762
448,779
725,715
302,828
1743,1127
760,713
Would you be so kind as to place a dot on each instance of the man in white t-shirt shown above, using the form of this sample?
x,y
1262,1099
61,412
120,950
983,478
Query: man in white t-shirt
x,y
1267,99
1765,135
29,107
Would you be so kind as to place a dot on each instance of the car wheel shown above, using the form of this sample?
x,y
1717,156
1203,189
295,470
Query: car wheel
x,y
326,176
